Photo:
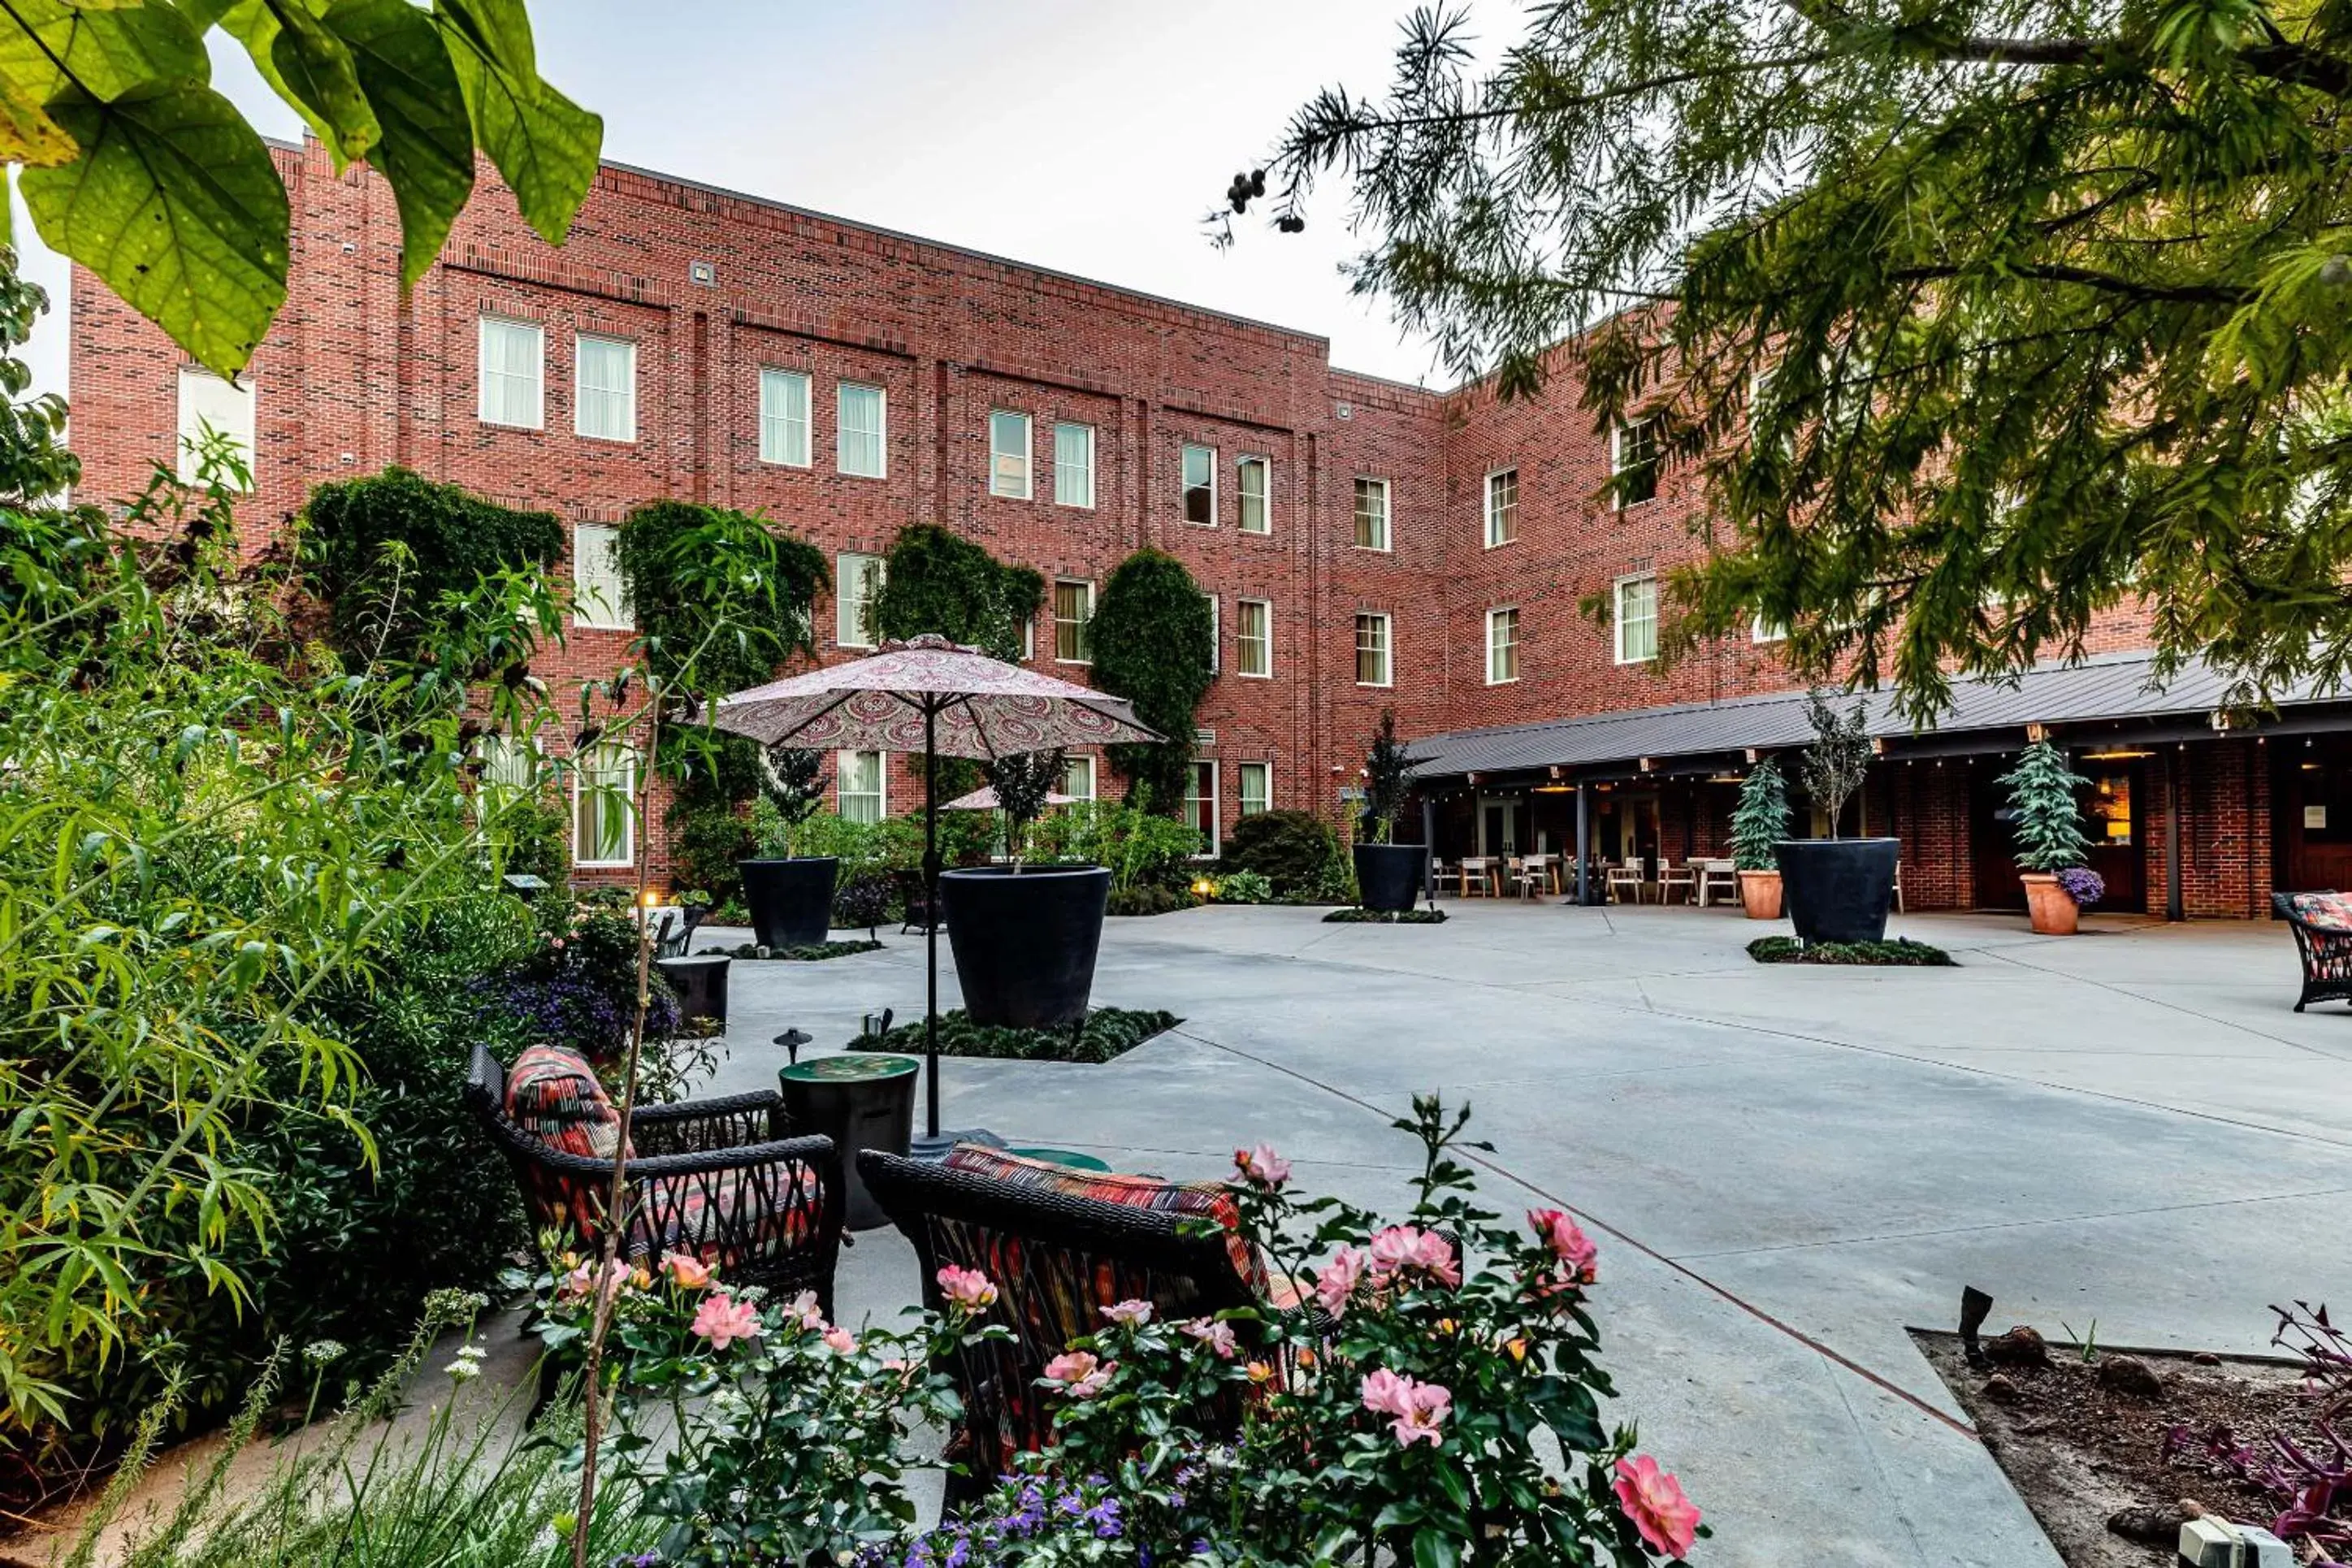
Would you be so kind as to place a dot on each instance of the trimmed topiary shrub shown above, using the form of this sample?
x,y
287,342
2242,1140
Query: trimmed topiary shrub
x,y
1154,644
936,581
1295,850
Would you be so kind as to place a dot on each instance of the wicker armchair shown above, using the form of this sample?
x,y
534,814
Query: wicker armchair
x,y
1057,1261
712,1177
2325,944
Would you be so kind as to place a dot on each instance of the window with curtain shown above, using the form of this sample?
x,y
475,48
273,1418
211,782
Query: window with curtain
x,y
603,806
1371,514
856,579
1253,637
209,404
1008,455
1201,805
1256,476
1502,646
861,784
1372,648
1074,606
1634,461
858,432
1637,619
1074,465
1502,507
1201,486
1216,634
1257,787
605,393
784,417
1078,778
600,599
510,369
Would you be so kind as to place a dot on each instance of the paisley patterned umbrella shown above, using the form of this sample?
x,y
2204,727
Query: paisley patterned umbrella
x,y
935,697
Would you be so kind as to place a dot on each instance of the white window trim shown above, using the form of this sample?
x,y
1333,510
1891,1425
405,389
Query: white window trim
x,y
1241,493
1493,616
1028,491
1617,615
482,382
1241,623
580,341
808,417
1216,634
843,598
241,439
1216,807
625,617
1489,512
1185,486
1094,777
1240,771
881,429
1761,631
1054,608
1388,515
881,780
1093,437
1617,434
627,796
1388,647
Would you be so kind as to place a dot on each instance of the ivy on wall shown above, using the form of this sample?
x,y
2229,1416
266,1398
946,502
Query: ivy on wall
x,y
1154,644
941,582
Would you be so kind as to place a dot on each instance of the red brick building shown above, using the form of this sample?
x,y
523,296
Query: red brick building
x,y
1369,544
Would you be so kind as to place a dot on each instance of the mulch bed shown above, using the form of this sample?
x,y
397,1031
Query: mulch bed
x,y
2083,1453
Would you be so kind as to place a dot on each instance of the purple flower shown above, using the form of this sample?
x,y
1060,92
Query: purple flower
x,y
2083,885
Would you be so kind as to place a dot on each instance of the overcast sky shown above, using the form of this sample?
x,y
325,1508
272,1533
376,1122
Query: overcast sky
x,y
1085,135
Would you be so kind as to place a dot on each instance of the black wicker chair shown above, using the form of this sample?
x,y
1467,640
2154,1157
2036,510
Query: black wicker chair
x,y
1057,1261
2326,955
714,1177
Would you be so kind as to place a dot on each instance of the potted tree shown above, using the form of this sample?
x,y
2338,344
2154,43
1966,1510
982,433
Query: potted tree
x,y
1024,936
1837,890
2050,841
1387,874
1758,825
789,896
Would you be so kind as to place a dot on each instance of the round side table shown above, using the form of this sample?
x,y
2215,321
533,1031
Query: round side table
x,y
860,1101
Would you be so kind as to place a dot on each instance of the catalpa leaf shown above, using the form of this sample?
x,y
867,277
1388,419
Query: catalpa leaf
x,y
544,144
48,45
175,202
426,149
28,134
308,66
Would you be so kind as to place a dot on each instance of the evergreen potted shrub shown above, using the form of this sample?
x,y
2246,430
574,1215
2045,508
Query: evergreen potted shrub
x,y
1837,890
1025,936
1758,825
2050,841
789,897
1387,874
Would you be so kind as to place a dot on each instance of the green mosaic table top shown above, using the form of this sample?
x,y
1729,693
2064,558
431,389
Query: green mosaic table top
x,y
853,1067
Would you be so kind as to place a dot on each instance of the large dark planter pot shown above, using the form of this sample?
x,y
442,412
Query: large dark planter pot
x,y
1024,943
1388,876
1838,890
791,900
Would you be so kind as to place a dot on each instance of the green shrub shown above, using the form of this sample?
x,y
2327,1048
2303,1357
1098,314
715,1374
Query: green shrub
x,y
1107,1032
1245,887
1295,850
1901,953
1138,847
941,582
1154,644
707,837
1152,898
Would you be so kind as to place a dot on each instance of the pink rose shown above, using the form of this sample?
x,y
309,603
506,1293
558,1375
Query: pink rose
x,y
1385,1392
1217,1336
1336,1281
1128,1313
1262,1166
840,1341
1568,1242
1654,1500
1418,1408
1402,1247
967,1287
1079,1373
722,1319
685,1271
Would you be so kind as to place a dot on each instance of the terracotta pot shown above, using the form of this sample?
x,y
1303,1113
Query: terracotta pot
x,y
1759,894
2053,911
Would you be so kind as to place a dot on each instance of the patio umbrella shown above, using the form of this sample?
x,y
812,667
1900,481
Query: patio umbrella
x,y
984,799
930,695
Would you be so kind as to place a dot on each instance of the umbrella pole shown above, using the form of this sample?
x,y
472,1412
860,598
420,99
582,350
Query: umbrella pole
x,y
931,918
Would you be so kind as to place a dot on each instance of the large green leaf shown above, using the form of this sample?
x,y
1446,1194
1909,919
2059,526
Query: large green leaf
x,y
28,134
543,143
308,66
426,151
500,29
48,45
175,202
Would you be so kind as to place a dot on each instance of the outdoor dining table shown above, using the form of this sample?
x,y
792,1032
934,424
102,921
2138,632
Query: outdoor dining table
x,y
1487,869
1708,870
1538,873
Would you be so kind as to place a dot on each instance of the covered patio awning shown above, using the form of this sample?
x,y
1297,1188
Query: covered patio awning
x,y
2109,699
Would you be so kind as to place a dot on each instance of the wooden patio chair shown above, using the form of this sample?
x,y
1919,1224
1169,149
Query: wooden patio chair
x,y
1671,875
1624,875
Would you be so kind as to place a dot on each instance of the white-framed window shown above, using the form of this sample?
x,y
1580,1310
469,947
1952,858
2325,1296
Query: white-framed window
x,y
856,579
1760,630
1637,619
1502,507
1074,465
1216,634
1008,455
1253,637
604,805
510,371
784,417
605,388
1502,646
1078,778
510,762
861,429
1201,486
600,599
207,402
1371,514
1201,807
1634,462
1074,606
1254,478
862,786
1256,780
1373,653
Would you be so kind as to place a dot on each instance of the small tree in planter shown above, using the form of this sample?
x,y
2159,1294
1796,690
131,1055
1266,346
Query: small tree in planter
x,y
1839,758
2049,840
792,781
1837,890
1387,874
1023,783
1758,825
790,897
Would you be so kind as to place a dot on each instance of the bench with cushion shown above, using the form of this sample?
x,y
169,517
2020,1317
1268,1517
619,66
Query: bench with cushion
x,y
2323,934
715,1178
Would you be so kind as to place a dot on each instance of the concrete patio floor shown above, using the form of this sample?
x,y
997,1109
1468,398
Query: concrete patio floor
x,y
1784,1166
